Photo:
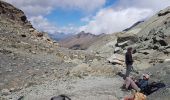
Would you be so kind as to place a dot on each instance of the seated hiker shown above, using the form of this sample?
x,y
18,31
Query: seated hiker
x,y
139,85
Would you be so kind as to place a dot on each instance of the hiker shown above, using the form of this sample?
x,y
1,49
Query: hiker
x,y
139,85
128,61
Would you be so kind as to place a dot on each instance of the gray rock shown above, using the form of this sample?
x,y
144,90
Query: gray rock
x,y
123,44
9,70
117,50
5,92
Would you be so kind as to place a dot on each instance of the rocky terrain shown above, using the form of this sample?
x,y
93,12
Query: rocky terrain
x,y
35,67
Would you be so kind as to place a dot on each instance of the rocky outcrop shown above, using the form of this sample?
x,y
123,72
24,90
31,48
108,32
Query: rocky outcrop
x,y
14,14
164,12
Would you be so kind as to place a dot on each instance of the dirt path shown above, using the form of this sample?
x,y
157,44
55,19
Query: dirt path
x,y
90,88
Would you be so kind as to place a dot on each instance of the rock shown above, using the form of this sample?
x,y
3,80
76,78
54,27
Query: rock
x,y
166,51
116,59
117,50
156,47
163,12
4,51
159,40
167,60
31,29
9,11
1,98
80,70
5,92
9,70
127,37
33,52
23,35
13,89
145,52
123,44
21,98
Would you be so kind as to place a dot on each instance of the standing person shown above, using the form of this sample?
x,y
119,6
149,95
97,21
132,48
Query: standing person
x,y
128,61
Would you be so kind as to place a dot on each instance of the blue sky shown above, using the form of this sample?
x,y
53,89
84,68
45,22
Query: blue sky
x,y
62,17
95,16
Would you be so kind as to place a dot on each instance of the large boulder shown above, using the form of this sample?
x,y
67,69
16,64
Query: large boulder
x,y
116,59
127,37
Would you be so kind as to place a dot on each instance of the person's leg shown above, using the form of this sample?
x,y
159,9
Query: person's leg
x,y
134,86
128,70
127,82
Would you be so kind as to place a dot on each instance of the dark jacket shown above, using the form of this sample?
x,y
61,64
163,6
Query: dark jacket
x,y
128,58
143,84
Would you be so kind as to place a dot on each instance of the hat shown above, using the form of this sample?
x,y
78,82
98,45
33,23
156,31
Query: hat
x,y
146,76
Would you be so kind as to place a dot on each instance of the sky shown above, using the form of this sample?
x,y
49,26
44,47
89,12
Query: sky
x,y
94,16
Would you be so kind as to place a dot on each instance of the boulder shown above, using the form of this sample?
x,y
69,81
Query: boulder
x,y
167,60
5,92
123,44
117,50
116,59
80,70
160,40
166,51
127,37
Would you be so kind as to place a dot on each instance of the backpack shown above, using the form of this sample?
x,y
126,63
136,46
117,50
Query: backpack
x,y
60,97
154,86
139,96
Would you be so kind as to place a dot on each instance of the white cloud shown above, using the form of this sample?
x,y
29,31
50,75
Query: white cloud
x,y
122,15
41,7
109,20
43,24
37,9
155,5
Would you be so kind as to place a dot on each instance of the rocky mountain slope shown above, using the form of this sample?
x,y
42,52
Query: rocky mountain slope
x,y
30,58
34,67
25,53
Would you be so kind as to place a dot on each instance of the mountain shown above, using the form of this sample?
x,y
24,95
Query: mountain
x,y
80,41
60,36
34,67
